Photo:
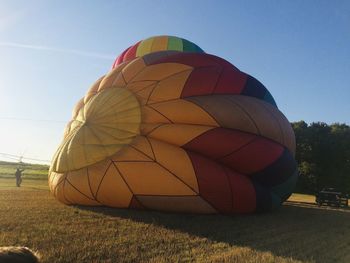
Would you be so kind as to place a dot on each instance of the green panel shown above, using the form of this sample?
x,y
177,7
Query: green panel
x,y
285,189
189,46
268,98
144,47
175,43
275,201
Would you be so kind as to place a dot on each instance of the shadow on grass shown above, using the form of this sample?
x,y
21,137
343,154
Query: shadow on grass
x,y
299,232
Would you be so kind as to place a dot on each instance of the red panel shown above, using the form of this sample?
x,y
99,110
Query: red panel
x,y
201,81
195,60
134,203
243,191
119,60
254,156
131,53
231,81
218,142
213,183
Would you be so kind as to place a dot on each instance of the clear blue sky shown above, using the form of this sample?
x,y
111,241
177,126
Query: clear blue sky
x,y
52,51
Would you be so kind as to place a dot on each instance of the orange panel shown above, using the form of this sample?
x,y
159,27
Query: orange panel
x,y
160,71
75,197
141,144
150,115
79,180
55,179
130,154
146,178
184,204
58,192
144,94
178,134
132,69
170,88
185,112
113,78
96,173
160,43
176,160
113,191
146,128
138,86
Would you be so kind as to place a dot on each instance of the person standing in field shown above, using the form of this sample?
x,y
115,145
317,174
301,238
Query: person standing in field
x,y
18,175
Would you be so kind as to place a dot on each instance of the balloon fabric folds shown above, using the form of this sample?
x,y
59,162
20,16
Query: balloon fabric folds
x,y
172,128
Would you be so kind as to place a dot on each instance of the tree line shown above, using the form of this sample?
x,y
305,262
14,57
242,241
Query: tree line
x,y
323,156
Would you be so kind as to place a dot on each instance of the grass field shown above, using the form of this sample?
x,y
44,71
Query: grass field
x,y
298,232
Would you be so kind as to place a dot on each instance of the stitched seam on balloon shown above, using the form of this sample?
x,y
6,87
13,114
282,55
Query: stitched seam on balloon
x,y
127,185
121,176
246,112
88,178
238,149
98,188
54,188
278,123
170,171
159,113
80,191
217,81
199,192
155,128
154,156
63,191
188,99
142,152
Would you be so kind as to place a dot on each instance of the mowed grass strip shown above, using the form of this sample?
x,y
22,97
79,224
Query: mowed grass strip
x,y
30,216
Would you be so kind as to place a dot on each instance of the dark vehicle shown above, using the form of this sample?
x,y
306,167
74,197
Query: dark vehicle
x,y
331,196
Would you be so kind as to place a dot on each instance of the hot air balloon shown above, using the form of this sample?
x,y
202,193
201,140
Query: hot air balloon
x,y
178,131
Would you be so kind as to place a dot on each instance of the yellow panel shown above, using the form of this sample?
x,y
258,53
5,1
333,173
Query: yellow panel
x,y
96,173
113,191
160,71
67,129
170,88
132,69
79,180
130,154
141,144
182,111
107,122
182,204
148,178
178,134
160,43
144,47
75,197
176,160
77,108
93,89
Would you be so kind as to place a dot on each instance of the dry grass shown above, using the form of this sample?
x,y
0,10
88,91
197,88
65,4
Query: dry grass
x,y
29,216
